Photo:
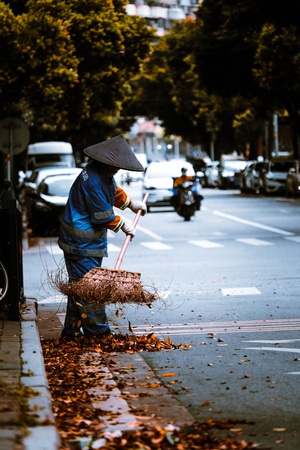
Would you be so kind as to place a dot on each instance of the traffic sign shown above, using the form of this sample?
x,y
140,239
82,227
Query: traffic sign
x,y
14,136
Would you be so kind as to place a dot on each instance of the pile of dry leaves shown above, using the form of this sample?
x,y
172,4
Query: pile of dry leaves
x,y
79,424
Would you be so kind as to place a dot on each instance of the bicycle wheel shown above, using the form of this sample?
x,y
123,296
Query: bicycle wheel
x,y
3,281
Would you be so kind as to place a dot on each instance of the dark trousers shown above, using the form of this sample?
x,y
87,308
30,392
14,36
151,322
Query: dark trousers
x,y
83,317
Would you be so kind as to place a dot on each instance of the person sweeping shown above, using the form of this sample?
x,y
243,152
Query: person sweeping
x,y
88,214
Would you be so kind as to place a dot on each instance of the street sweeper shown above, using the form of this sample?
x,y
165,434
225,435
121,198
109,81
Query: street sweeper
x,y
88,214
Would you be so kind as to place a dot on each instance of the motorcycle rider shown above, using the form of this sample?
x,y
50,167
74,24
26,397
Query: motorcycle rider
x,y
178,182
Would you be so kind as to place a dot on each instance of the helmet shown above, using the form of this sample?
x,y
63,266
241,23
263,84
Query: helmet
x,y
115,152
184,170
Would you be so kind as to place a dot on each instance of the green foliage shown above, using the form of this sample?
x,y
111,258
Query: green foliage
x,y
69,64
70,69
226,71
9,57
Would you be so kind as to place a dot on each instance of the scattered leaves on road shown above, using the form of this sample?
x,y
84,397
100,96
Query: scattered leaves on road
x,y
80,425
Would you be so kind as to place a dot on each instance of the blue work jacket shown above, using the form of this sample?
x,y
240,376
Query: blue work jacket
x,y
89,212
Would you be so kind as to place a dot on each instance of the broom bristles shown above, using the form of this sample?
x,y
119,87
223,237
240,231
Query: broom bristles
x,y
104,286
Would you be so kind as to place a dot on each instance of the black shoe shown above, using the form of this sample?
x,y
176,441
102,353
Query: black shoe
x,y
68,334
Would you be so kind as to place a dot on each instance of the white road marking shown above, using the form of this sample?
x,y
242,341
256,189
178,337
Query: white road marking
x,y
254,241
164,294
54,249
277,341
150,233
112,248
216,328
275,349
206,244
294,238
61,317
241,291
253,224
59,298
156,245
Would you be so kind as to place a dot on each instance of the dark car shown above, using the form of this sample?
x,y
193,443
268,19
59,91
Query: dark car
x,y
293,181
229,173
48,202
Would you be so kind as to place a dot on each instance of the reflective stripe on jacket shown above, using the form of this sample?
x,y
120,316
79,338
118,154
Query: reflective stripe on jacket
x,y
89,212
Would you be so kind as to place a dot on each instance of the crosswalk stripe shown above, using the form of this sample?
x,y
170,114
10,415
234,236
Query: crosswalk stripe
x,y
240,291
54,249
59,298
113,248
206,244
153,245
254,241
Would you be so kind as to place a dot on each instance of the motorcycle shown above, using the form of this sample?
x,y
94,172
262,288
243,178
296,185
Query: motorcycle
x,y
187,201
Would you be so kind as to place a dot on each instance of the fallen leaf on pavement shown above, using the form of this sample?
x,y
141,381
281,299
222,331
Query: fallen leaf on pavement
x,y
71,378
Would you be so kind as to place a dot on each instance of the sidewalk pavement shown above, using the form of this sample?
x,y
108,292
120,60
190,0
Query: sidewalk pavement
x,y
26,417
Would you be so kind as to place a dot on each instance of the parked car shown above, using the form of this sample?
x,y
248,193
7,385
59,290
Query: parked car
x,y
246,182
229,173
130,176
273,176
251,176
158,181
211,173
45,200
293,181
29,184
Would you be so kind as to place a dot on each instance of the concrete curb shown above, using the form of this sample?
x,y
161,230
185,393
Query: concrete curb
x,y
44,436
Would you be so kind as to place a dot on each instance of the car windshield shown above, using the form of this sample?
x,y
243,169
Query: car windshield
x,y
168,170
57,186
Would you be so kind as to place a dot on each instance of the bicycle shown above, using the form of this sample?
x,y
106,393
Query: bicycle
x,y
4,279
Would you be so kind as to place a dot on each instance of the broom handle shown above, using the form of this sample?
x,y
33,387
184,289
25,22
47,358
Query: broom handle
x,y
128,237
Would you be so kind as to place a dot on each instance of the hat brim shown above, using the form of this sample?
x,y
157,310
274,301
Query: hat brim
x,y
115,152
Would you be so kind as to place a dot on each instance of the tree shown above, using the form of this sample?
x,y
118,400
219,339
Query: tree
x,y
277,70
10,54
71,62
229,48
169,88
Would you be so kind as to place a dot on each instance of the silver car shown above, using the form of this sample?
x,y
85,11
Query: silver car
x,y
273,176
158,181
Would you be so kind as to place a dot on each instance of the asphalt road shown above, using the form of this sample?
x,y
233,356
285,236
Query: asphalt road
x,y
228,284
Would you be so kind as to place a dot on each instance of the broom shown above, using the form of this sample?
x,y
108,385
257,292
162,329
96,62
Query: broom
x,y
101,286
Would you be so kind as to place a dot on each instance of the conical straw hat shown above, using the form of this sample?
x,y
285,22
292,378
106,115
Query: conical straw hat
x,y
115,152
